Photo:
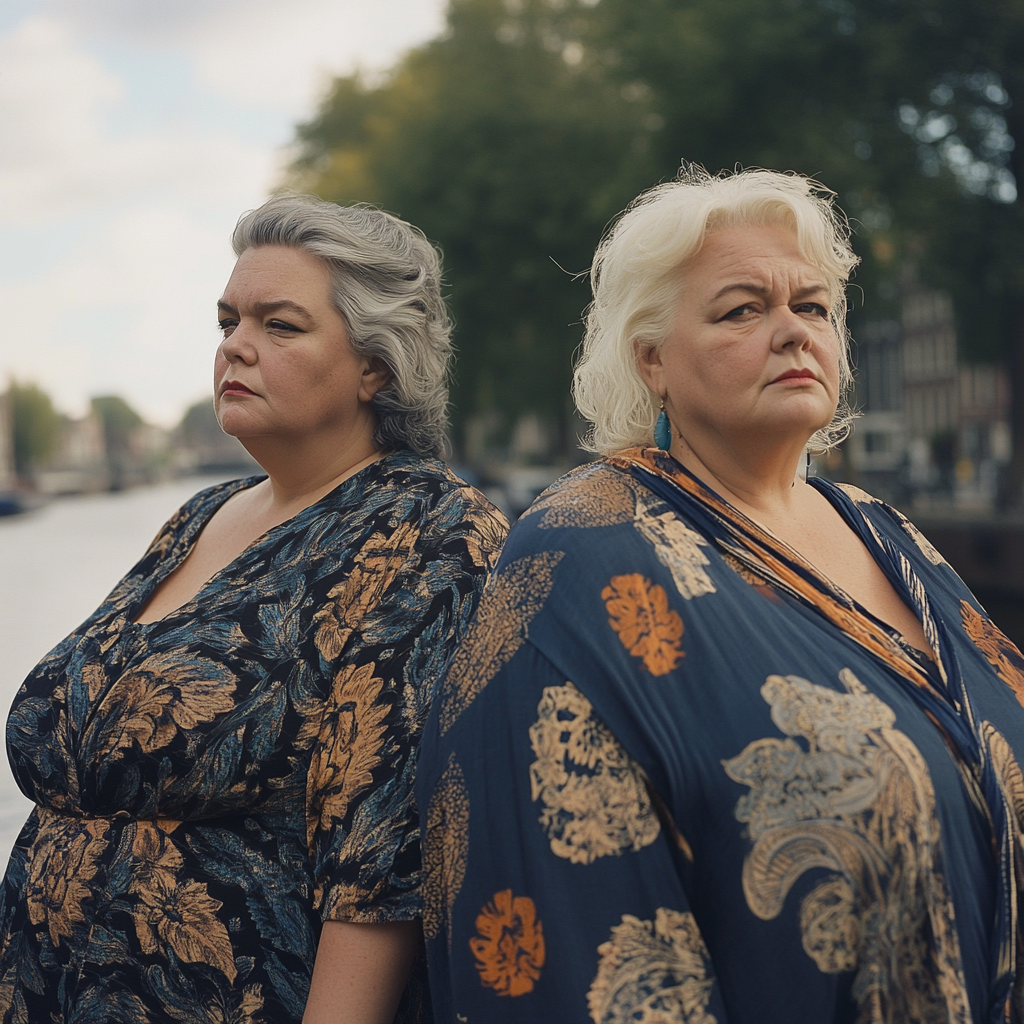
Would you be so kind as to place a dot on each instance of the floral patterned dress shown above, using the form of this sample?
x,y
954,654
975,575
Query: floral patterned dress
x,y
674,776
211,787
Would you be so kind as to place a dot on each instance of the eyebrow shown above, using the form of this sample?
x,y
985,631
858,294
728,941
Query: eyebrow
x,y
760,289
262,308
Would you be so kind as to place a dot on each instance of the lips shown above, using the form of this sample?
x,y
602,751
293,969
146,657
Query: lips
x,y
235,387
790,374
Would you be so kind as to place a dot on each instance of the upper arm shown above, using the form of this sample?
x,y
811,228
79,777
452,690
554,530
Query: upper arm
x,y
360,972
382,644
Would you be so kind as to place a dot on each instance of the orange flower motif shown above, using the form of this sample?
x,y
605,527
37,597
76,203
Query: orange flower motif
x,y
998,649
509,945
638,611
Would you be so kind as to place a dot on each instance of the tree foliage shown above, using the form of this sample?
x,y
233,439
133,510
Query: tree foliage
x,y
513,154
35,426
514,138
119,422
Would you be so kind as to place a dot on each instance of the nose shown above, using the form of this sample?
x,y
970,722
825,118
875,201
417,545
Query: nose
x,y
790,330
239,345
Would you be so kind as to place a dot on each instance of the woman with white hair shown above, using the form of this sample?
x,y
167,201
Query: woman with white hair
x,y
723,744
222,755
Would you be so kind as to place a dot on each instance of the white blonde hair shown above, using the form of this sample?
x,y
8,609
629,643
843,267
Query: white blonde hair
x,y
636,276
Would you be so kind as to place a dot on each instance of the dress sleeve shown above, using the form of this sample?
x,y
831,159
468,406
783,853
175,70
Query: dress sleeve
x,y
555,887
383,640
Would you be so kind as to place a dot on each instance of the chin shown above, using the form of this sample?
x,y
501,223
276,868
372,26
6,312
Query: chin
x,y
235,423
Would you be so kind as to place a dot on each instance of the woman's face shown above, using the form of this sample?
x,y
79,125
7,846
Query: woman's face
x,y
752,357
285,367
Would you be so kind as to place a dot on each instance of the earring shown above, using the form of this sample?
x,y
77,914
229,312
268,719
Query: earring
x,y
663,430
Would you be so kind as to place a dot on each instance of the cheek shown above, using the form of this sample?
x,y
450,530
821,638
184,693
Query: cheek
x,y
828,357
731,367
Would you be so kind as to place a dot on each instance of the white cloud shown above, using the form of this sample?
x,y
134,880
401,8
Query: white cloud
x,y
267,53
59,158
126,305
132,312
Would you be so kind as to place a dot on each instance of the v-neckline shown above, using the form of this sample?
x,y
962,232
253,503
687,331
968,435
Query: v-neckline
x,y
183,548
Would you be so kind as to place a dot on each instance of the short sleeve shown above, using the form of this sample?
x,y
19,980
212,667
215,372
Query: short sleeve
x,y
383,644
553,890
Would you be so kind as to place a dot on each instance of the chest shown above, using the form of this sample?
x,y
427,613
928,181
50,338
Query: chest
x,y
828,543
224,538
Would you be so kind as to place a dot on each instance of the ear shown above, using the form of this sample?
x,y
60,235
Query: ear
x,y
652,370
376,375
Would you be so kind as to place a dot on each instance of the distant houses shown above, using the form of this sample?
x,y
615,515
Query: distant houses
x,y
6,447
933,431
110,448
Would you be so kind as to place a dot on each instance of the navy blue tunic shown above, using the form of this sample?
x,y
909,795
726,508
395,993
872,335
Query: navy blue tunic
x,y
673,775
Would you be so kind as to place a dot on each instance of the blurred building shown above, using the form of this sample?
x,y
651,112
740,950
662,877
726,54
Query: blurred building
x,y
877,449
79,464
932,431
6,445
89,459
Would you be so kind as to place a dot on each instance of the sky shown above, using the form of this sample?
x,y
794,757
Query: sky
x,y
133,133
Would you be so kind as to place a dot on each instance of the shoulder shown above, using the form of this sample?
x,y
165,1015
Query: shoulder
x,y
595,520
446,515
218,493
595,495
891,520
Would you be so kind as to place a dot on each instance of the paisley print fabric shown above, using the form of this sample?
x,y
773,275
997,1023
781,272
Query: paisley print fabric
x,y
594,798
728,793
211,787
652,971
859,801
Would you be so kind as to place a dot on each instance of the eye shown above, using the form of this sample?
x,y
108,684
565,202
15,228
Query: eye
x,y
739,311
282,325
814,308
227,325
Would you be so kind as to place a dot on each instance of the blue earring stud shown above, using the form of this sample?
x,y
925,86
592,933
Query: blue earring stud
x,y
662,430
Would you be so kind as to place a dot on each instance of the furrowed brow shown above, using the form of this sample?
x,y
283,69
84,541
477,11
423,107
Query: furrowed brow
x,y
278,304
741,286
817,288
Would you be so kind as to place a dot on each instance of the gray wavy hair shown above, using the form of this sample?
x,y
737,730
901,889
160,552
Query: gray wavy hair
x,y
636,278
386,284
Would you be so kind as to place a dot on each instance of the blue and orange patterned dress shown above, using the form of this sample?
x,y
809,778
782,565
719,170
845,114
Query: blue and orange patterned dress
x,y
674,776
213,786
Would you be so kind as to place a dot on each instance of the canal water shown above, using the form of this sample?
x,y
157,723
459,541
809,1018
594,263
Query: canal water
x,y
56,565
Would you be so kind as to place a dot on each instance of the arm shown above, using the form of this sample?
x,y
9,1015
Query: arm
x,y
554,894
362,821
360,972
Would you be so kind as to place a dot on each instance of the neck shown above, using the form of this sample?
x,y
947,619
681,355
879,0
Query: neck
x,y
763,482
300,471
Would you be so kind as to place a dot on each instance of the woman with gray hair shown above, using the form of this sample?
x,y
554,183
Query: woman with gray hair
x,y
222,755
757,747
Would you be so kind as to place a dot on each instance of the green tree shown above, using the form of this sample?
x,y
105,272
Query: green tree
x,y
119,422
516,135
199,424
35,426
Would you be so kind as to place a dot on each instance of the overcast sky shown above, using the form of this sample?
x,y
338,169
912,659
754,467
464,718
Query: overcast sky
x,y
132,135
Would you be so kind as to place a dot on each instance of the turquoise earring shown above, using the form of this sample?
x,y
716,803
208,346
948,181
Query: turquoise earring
x,y
662,430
